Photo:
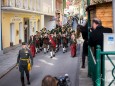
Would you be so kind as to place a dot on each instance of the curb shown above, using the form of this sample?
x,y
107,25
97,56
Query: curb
x,y
7,71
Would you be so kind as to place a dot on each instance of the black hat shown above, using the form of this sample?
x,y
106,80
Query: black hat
x,y
23,43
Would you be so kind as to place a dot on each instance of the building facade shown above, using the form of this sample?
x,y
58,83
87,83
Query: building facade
x,y
22,18
59,11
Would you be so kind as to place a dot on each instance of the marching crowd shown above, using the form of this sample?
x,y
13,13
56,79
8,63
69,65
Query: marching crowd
x,y
51,41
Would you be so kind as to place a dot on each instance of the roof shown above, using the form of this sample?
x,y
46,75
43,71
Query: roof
x,y
91,7
93,2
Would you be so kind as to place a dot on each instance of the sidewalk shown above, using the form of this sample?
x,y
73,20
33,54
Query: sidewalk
x,y
84,80
8,61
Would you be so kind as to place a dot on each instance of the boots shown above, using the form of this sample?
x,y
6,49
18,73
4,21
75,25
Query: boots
x,y
63,50
48,48
22,81
44,50
28,79
83,61
51,54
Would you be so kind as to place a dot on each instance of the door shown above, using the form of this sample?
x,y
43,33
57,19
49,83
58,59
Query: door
x,y
38,25
20,32
31,29
35,29
26,30
12,34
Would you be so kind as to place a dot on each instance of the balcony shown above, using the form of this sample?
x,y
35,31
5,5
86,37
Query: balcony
x,y
31,6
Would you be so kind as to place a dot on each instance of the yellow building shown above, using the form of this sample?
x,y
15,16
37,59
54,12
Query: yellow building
x,y
18,27
22,18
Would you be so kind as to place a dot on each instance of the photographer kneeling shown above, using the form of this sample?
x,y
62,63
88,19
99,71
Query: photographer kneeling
x,y
49,81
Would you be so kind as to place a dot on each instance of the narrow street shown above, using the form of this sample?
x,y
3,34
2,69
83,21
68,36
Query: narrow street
x,y
43,65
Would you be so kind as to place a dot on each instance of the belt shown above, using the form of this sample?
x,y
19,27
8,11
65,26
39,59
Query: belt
x,y
24,59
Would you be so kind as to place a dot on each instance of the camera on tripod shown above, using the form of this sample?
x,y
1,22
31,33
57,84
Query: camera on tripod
x,y
64,80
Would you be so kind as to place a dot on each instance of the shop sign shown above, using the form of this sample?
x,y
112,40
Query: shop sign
x,y
33,18
16,19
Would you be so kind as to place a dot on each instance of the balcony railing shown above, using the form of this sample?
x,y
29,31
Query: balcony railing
x,y
31,5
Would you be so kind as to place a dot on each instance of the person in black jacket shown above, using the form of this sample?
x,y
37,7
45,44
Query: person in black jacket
x,y
96,36
84,32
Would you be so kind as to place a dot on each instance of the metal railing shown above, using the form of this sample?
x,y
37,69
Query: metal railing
x,y
96,66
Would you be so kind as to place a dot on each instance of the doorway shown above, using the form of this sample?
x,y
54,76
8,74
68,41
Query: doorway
x,y
35,29
12,34
38,25
20,32
26,30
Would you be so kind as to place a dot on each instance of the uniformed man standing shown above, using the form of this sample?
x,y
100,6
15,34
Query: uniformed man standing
x,y
24,59
45,43
64,42
37,41
52,45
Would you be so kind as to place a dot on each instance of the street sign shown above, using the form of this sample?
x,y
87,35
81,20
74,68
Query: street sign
x,y
109,45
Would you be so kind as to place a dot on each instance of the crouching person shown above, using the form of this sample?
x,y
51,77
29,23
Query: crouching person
x,y
49,81
24,61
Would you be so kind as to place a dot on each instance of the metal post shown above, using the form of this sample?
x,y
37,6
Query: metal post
x,y
83,8
113,5
88,3
0,28
103,70
89,63
79,15
98,67
64,4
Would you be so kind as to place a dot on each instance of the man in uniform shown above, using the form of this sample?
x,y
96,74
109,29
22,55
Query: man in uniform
x,y
41,40
24,57
56,41
64,42
68,35
52,45
45,43
37,41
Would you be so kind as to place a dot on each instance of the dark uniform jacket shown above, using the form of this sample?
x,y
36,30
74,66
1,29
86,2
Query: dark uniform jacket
x,y
64,40
45,40
96,36
24,54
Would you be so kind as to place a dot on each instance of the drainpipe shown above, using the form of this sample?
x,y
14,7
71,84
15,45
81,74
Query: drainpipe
x,y
113,5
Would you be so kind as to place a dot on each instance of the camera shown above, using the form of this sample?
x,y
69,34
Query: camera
x,y
64,80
